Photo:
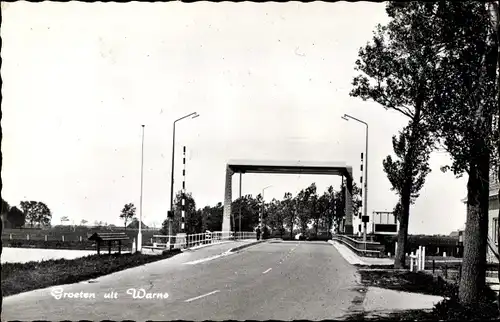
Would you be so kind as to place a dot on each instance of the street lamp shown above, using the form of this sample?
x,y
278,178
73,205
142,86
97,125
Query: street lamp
x,y
365,202
263,202
193,115
139,235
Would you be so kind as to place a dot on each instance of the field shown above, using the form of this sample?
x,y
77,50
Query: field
x,y
69,234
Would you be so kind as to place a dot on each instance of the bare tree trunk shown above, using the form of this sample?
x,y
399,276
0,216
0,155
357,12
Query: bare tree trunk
x,y
400,256
473,278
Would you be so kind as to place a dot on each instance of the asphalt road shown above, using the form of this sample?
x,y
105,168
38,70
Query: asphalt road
x,y
281,281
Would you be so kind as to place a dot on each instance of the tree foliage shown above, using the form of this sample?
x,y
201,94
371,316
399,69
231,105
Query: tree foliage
x,y
465,103
398,71
128,212
395,168
5,207
436,62
281,217
36,213
16,217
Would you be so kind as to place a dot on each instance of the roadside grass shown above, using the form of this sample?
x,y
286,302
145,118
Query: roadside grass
x,y
402,280
23,277
448,309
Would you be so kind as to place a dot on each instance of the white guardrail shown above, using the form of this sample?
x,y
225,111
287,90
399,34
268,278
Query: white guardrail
x,y
186,241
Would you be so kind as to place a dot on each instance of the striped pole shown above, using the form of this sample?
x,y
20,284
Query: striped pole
x,y
363,205
361,188
361,180
183,208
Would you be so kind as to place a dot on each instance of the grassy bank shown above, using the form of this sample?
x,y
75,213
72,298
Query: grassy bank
x,y
418,282
18,278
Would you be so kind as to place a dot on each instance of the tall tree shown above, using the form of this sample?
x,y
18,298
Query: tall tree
x,y
212,217
331,213
44,215
5,207
190,213
16,217
250,211
303,216
128,212
36,212
401,177
289,211
275,217
466,99
494,10
5,211
29,208
339,206
396,69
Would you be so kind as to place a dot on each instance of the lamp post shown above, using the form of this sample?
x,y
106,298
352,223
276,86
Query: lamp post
x,y
263,202
139,234
240,206
194,115
365,202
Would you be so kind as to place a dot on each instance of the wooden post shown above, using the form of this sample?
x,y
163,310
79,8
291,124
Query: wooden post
x,y
119,247
62,237
109,247
45,237
433,265
98,245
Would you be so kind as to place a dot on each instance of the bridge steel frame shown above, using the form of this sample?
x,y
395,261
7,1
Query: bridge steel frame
x,y
288,167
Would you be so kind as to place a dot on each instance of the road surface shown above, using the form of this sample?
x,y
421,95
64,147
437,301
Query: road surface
x,y
272,280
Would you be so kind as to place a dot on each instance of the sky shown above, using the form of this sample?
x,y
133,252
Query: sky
x,y
270,81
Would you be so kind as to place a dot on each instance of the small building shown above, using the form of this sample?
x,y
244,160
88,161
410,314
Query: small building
x,y
384,223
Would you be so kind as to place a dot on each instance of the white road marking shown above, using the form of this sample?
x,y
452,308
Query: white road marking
x,y
267,271
208,258
199,297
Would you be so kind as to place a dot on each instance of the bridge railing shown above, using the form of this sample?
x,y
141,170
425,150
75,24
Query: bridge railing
x,y
368,248
195,240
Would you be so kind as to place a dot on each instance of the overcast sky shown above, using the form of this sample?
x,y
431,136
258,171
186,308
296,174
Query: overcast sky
x,y
270,81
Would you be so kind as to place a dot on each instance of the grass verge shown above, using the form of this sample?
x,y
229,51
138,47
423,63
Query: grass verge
x,y
23,277
417,282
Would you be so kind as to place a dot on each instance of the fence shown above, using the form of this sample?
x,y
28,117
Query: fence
x,y
193,240
64,236
369,249
419,258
